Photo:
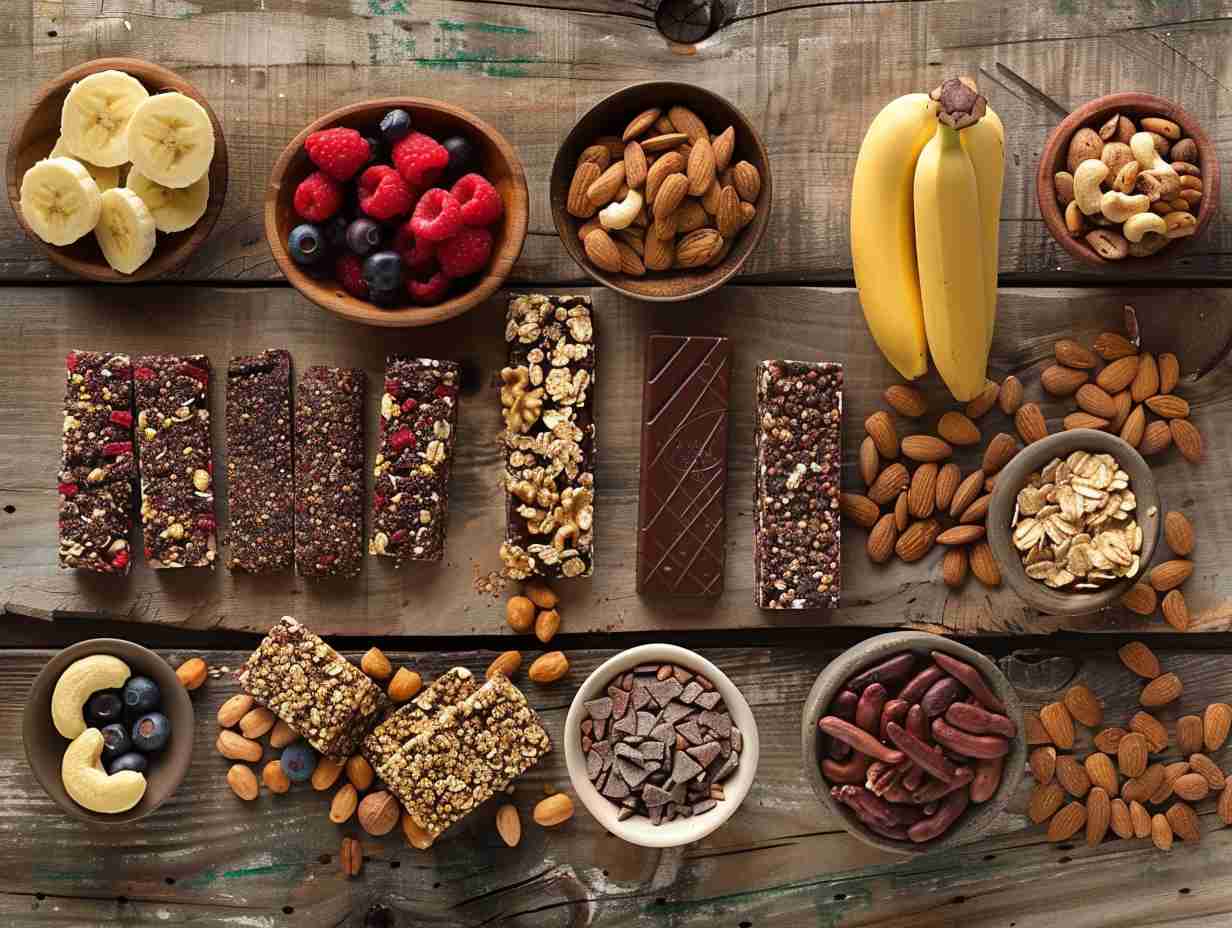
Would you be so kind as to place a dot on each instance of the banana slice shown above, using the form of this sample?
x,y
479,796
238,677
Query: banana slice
x,y
171,140
94,119
60,201
125,230
174,209
106,178
89,785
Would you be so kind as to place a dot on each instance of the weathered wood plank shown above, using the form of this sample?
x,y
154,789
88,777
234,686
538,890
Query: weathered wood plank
x,y
206,858
764,323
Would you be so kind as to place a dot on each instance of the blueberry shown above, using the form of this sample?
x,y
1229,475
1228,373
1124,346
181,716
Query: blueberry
x,y
363,236
383,271
141,695
130,761
385,298
298,761
461,157
151,732
104,707
306,244
395,125
335,231
115,741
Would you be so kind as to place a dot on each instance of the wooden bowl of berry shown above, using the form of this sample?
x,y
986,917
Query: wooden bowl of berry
x,y
397,212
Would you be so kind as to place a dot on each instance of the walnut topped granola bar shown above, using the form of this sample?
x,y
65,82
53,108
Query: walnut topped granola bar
x,y
414,718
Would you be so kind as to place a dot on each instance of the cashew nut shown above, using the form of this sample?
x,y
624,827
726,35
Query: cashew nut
x,y
1074,220
76,684
1181,224
89,785
620,215
1157,179
1118,206
1087,178
1143,146
1151,243
1140,224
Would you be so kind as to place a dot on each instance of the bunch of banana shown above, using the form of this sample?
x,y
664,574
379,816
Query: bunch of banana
x,y
925,211
109,120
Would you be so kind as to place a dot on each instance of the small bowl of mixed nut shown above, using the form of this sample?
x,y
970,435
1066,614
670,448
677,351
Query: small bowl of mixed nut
x,y
1125,178
661,191
1073,521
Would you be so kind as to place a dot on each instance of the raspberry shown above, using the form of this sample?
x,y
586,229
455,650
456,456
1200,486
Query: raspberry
x,y
120,560
409,404
317,197
144,373
382,193
428,292
71,361
122,417
420,159
481,204
402,439
350,273
444,390
418,254
206,523
339,152
68,490
115,448
465,253
437,216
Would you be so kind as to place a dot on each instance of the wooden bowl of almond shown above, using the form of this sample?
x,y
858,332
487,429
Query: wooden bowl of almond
x,y
661,191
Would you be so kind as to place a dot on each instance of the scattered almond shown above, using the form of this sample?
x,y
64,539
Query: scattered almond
x,y
1119,819
281,735
376,665
234,709
892,480
1161,691
405,685
902,513
948,479
1187,438
506,663
882,539
881,430
979,406
1139,659
1132,754
256,722
1072,354
859,509
1043,763
1045,800
1211,771
554,810
1029,421
243,782
192,673
234,746
984,565
1161,832
1179,533
1059,724
520,614
1141,820
1216,722
414,833
923,448
1057,380
1118,375
1156,437
509,824
1084,705
917,540
548,668
1000,451
1191,787
1176,612
1134,427
922,494
1099,816
1189,734
547,624
1034,728
1067,822
326,773
961,535
1146,380
954,567
870,460
1102,773
1170,574
1112,346
906,401
351,857
1108,739
1141,598
1169,372
957,429
344,803
360,773
275,778
1184,822
1010,395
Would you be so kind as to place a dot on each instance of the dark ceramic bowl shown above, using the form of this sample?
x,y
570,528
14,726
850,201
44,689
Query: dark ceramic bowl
x,y
1001,511
45,746
977,818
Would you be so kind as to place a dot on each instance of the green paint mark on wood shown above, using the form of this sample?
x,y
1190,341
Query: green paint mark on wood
x,y
388,7
1066,7
267,870
451,25
485,61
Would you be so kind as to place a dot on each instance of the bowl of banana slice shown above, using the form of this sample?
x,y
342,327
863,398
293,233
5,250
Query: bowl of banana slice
x,y
118,170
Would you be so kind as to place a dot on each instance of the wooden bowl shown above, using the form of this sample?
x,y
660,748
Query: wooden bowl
x,y
1004,497
498,162
45,746
977,819
609,117
35,134
1093,115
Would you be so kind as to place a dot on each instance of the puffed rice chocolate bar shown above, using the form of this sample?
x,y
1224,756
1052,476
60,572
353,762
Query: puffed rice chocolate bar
x,y
419,410
329,472
325,698
797,472
260,470
470,752
414,717
547,399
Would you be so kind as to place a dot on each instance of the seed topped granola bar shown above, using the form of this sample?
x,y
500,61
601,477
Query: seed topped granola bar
x,y
413,718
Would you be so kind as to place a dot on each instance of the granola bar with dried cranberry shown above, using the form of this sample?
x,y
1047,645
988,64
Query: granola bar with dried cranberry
x,y
419,411
329,472
98,409
260,467
94,527
547,395
797,472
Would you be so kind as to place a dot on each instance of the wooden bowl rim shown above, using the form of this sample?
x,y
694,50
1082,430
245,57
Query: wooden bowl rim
x,y
164,260
336,301
1057,143
750,237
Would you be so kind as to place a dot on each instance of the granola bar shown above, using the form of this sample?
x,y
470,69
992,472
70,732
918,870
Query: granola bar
x,y
176,460
260,475
94,527
470,752
419,411
797,480
329,472
325,699
414,717
549,437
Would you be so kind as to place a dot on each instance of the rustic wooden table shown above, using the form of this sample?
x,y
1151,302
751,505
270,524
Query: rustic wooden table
x,y
811,76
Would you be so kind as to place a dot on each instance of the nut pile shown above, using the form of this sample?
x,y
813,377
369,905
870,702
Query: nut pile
x,y
1130,188
664,196
534,610
1117,786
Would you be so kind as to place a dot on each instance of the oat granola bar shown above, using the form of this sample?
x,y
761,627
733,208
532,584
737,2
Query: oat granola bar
x,y
797,471
470,752
415,717
176,460
325,698
260,475
94,527
419,411
329,472
549,437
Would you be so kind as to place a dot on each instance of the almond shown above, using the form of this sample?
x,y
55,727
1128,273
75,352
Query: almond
x,y
1184,822
1170,574
602,251
1124,403
554,810
925,448
598,154
948,479
1067,822
1189,730
630,263
547,624
1155,438
1111,347
1188,439
957,429
859,509
281,735
889,483
1010,397
880,429
902,512
1192,787
882,539
1118,375
747,181
234,709
1102,773
1099,816
1119,820
664,141
870,460
1134,427
509,824
686,121
1096,401
1225,805
1172,773
376,665
344,803
1043,763
747,213
961,535
1146,381
577,203
1141,819
1140,599
360,772
548,668
664,167
275,778
1084,705
1141,788
257,722
415,834
635,165
1059,724
671,194
1161,691
1132,754
984,566
192,673
1152,729
984,402
700,169
906,401
1108,739
1215,777
235,746
1045,800
607,185
977,511
640,124
691,216
1057,380
1139,659
1161,832
243,782
405,685
922,495
1072,354
1083,420
1176,612
520,614
1169,372
1169,406
1216,721
966,493
326,773
1034,729
954,567
660,254
728,219
1179,533
1000,451
724,145
506,663
1072,776
917,540
1030,423
696,248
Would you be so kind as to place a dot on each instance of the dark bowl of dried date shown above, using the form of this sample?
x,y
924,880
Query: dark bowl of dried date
x,y
913,742
661,746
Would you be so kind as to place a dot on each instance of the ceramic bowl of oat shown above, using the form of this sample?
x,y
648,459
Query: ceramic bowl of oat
x,y
1073,521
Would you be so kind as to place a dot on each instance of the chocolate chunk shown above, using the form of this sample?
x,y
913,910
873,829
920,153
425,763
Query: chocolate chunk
x,y
691,692
685,768
587,726
664,691
594,766
615,788
641,695
709,699
654,750
655,797
633,774
645,722
691,732
656,814
664,733
725,771
704,754
718,722
626,725
737,739
620,701
600,709
600,727
675,711
704,806
630,753
624,813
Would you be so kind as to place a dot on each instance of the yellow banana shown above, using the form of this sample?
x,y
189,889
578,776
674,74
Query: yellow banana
x,y
985,146
950,250
883,248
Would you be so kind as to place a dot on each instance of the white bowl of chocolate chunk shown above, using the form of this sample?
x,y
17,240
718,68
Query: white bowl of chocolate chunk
x,y
661,747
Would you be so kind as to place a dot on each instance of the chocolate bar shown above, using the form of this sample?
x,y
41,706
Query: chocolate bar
x,y
797,471
419,411
547,397
176,461
329,472
260,471
322,696
414,718
680,544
